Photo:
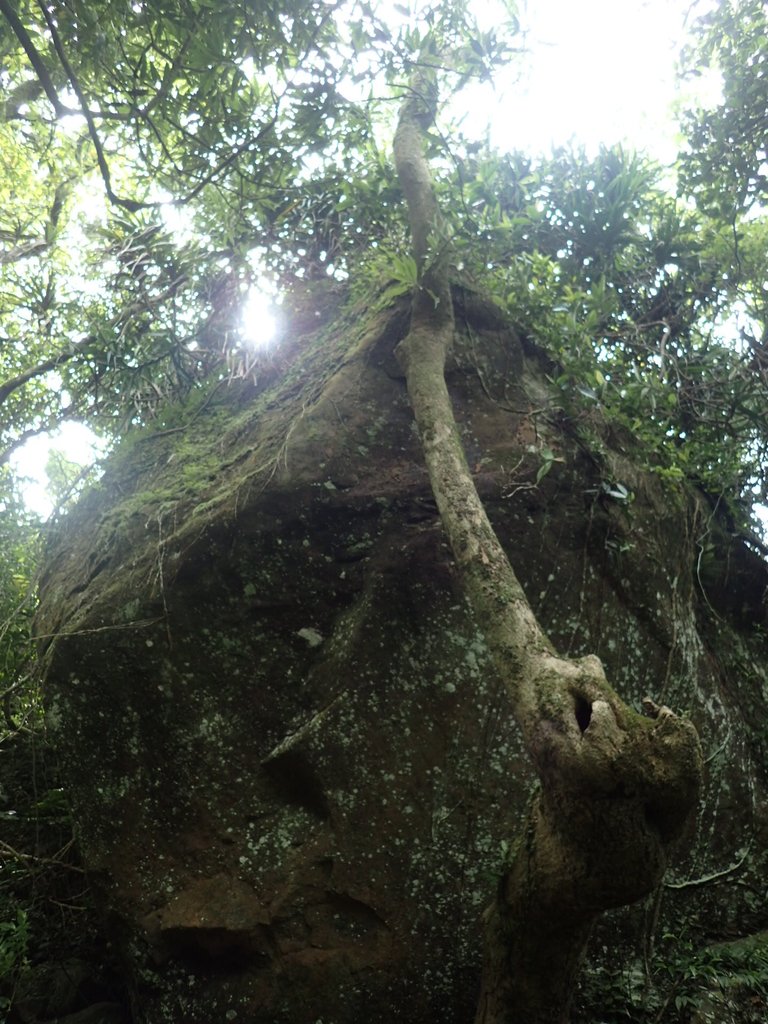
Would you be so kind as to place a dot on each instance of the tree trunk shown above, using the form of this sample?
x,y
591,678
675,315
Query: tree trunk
x,y
617,788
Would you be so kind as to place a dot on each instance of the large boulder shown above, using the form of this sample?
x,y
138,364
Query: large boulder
x,y
294,772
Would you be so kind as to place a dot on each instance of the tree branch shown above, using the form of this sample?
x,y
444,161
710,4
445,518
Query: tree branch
x,y
127,204
616,789
496,596
24,93
60,109
23,251
34,246
27,435
90,116
35,59
47,366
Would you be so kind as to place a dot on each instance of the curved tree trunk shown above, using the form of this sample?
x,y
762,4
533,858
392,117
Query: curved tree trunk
x,y
617,788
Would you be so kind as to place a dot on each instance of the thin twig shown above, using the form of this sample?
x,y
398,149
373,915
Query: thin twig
x,y
137,624
692,883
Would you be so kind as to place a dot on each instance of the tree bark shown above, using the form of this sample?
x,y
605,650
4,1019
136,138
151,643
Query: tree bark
x,y
618,789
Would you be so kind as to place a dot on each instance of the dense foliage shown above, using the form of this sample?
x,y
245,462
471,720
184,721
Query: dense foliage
x,y
111,112
165,154
170,155
724,162
18,550
630,289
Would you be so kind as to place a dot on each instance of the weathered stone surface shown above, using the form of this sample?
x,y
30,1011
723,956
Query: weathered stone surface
x,y
294,771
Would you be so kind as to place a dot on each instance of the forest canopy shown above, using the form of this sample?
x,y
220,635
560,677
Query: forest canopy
x,y
160,159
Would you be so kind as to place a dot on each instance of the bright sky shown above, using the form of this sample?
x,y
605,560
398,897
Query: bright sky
x,y
598,71
601,71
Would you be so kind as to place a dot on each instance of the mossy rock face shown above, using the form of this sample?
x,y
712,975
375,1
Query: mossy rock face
x,y
294,772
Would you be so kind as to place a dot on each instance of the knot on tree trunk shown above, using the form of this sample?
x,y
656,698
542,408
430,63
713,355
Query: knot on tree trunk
x,y
639,776
618,790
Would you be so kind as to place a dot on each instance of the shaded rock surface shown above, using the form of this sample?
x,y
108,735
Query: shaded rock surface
x,y
294,772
